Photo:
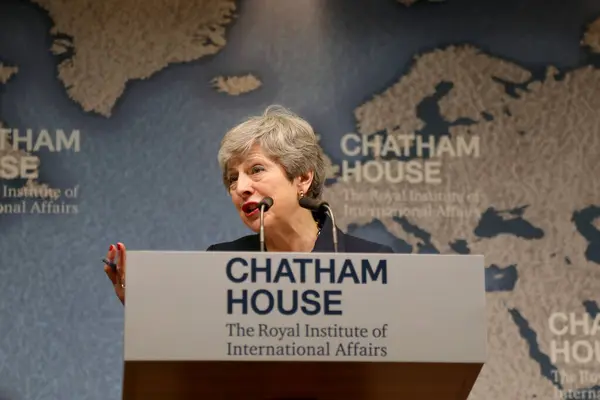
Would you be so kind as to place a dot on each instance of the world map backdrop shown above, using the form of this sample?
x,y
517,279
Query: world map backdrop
x,y
451,127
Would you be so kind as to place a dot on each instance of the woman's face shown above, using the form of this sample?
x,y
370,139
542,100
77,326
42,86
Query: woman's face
x,y
256,177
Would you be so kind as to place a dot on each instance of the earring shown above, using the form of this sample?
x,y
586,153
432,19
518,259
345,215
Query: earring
x,y
301,194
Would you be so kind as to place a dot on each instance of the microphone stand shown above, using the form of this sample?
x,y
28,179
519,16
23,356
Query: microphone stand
x,y
334,229
263,206
262,227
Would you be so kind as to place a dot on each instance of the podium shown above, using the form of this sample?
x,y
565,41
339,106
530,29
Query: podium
x,y
327,326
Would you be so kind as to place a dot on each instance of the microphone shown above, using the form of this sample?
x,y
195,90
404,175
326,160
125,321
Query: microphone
x,y
319,206
263,206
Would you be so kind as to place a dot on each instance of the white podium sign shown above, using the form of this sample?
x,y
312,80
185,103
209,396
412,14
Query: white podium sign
x,y
348,307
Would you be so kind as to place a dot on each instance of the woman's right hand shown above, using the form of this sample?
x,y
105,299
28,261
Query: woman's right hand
x,y
117,277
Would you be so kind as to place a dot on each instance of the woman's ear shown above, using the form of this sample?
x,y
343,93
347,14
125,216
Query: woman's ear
x,y
304,181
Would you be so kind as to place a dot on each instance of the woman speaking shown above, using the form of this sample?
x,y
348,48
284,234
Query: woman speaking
x,y
275,155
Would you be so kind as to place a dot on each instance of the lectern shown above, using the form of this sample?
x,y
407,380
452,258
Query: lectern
x,y
271,326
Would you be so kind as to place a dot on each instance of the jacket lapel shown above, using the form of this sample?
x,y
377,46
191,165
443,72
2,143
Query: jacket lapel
x,y
324,243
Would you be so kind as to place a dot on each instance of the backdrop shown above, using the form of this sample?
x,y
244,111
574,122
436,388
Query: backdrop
x,y
112,113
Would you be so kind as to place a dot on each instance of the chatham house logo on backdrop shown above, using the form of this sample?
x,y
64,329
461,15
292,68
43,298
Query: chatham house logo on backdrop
x,y
389,184
20,165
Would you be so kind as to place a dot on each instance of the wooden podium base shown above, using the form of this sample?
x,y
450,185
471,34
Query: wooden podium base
x,y
266,380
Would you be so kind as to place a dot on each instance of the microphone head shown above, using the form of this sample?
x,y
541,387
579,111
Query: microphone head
x,y
312,204
265,203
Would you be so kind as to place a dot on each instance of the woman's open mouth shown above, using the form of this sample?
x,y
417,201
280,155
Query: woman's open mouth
x,y
250,208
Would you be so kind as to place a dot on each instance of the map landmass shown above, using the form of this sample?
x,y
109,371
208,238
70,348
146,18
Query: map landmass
x,y
138,39
533,122
6,73
591,37
236,85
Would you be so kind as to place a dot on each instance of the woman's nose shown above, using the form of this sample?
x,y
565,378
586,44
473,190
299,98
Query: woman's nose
x,y
244,186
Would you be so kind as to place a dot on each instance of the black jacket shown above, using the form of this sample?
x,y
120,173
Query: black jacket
x,y
324,244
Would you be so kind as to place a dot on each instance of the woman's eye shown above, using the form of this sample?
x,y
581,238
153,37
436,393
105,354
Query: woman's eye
x,y
256,169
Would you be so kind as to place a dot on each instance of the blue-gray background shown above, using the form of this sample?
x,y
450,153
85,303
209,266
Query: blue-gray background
x,y
148,174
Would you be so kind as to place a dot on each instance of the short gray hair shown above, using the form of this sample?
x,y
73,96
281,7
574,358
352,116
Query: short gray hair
x,y
285,138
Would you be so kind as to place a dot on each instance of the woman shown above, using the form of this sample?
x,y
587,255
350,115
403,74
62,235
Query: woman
x,y
276,155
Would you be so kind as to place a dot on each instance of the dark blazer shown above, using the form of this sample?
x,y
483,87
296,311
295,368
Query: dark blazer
x,y
346,243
